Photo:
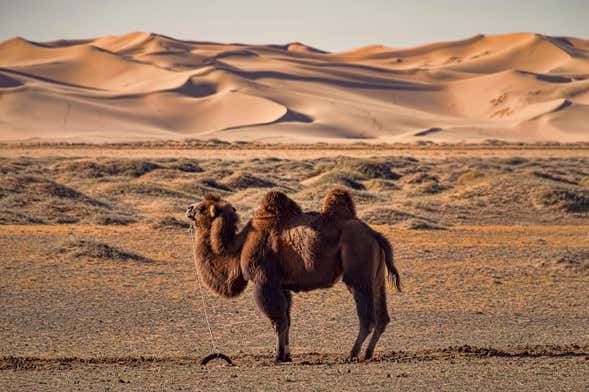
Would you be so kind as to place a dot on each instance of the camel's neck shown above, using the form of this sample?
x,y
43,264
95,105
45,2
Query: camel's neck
x,y
219,267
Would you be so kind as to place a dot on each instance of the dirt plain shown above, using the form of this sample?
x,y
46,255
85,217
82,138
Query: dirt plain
x,y
98,289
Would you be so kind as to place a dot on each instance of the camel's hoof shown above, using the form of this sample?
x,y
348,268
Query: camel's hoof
x,y
352,359
368,356
285,359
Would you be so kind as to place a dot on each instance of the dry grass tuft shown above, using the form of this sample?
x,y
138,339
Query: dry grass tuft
x,y
143,189
367,169
572,261
338,177
420,178
431,188
469,177
106,168
113,219
185,165
26,199
240,180
90,249
553,177
388,216
169,222
378,185
513,161
420,224
566,199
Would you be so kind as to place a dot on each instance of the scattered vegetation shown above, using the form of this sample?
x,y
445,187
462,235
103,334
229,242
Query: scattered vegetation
x,y
367,169
420,224
513,161
90,249
378,185
106,168
574,261
185,165
169,222
388,216
240,180
566,199
338,177
420,178
143,189
112,219
431,187
26,199
470,177
387,190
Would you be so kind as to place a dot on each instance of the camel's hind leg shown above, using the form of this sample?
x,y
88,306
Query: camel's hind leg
x,y
361,261
382,319
365,310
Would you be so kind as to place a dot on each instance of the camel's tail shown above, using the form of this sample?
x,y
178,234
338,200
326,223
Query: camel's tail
x,y
387,249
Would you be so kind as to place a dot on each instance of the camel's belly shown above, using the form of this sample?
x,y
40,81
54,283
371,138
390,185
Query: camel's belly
x,y
311,259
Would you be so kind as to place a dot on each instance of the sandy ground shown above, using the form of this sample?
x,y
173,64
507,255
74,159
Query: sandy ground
x,y
143,86
288,153
477,310
488,303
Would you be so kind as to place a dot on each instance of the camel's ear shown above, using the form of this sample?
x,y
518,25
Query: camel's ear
x,y
213,211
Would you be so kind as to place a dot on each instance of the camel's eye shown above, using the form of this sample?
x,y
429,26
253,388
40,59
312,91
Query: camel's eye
x,y
202,209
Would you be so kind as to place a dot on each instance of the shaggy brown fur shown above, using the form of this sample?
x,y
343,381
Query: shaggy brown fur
x,y
338,204
283,250
217,246
277,206
262,242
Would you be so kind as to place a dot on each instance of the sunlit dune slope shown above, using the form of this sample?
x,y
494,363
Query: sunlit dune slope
x,y
141,86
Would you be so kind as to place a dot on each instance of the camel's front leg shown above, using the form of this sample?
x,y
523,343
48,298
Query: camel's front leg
x,y
275,304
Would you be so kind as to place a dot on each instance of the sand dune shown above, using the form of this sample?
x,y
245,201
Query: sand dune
x,y
141,86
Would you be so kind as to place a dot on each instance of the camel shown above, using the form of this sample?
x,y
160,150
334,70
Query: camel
x,y
283,250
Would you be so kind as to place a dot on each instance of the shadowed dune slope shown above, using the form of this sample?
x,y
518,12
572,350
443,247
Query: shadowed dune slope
x,y
143,86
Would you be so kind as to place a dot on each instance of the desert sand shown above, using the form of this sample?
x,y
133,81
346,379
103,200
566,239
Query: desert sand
x,y
143,86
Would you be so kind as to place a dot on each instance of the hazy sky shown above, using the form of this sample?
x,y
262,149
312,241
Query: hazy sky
x,y
328,25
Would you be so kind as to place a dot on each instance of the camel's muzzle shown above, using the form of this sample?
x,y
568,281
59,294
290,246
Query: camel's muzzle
x,y
190,213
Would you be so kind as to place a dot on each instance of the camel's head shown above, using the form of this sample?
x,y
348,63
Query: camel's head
x,y
212,209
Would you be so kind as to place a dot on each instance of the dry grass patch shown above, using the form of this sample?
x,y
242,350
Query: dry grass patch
x,y
170,222
574,261
431,188
513,161
106,168
389,216
367,169
336,177
420,224
32,200
143,189
469,177
378,185
420,178
240,180
566,199
94,250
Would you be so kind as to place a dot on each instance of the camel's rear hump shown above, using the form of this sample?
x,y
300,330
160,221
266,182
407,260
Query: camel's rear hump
x,y
338,204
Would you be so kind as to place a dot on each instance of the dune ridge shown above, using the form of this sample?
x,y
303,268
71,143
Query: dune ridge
x,y
520,87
